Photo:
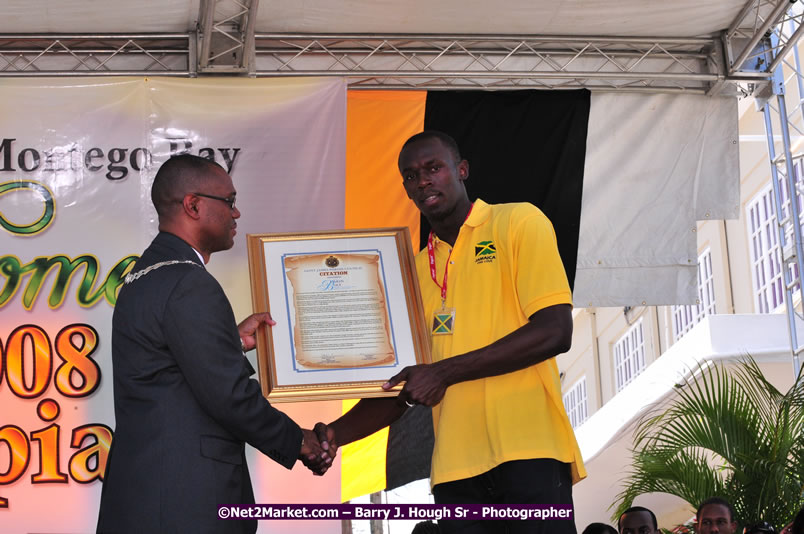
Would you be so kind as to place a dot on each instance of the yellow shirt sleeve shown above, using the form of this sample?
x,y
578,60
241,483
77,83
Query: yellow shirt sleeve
x,y
540,277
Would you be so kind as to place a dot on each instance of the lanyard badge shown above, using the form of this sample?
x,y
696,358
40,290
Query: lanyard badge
x,y
443,321
443,318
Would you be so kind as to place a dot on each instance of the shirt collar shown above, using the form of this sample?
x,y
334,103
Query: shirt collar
x,y
200,257
480,213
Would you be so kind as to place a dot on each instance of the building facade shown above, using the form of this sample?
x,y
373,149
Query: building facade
x,y
624,362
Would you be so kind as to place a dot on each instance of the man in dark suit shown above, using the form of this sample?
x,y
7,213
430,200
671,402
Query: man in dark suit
x,y
184,403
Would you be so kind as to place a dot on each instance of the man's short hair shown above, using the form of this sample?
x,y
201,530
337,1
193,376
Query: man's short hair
x,y
425,527
176,177
715,500
446,139
599,528
638,509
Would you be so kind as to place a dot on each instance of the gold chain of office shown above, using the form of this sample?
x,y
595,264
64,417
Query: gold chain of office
x,y
133,276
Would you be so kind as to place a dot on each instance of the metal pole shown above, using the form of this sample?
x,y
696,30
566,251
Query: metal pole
x,y
483,37
795,221
777,202
791,43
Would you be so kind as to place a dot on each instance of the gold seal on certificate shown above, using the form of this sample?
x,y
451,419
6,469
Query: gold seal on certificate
x,y
341,317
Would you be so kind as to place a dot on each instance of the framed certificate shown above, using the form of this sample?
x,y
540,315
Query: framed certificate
x,y
347,308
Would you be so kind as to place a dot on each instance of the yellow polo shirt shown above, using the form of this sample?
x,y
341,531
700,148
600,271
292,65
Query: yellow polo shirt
x,y
504,267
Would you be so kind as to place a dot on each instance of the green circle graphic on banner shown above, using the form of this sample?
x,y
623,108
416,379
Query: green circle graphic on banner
x,y
47,214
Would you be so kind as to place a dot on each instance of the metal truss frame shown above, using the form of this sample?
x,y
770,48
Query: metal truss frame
x,y
783,177
786,161
226,36
757,19
226,43
384,61
494,62
387,61
32,55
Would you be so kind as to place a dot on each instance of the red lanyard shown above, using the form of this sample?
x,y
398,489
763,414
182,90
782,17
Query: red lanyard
x,y
431,256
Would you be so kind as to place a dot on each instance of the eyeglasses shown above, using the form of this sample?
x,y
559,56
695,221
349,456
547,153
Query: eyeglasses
x,y
230,200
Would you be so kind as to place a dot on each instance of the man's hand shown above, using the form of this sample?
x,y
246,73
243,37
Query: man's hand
x,y
248,328
424,384
547,333
326,437
312,455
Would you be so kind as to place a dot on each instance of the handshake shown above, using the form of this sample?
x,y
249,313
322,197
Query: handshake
x,y
425,384
318,448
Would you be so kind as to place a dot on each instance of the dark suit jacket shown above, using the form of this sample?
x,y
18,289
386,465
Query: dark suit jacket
x,y
184,403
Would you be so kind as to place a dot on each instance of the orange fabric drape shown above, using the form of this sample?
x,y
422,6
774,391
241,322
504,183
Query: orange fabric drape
x,y
377,124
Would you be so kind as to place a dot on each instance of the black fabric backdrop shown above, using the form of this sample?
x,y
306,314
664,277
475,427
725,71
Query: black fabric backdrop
x,y
522,146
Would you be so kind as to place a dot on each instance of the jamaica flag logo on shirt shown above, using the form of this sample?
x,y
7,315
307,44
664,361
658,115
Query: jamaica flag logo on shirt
x,y
485,252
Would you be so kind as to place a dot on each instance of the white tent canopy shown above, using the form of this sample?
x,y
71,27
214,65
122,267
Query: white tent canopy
x,y
685,45
680,18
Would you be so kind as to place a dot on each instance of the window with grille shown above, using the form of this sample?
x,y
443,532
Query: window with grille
x,y
685,317
766,254
629,355
575,403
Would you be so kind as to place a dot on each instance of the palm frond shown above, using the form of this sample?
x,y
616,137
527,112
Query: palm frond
x,y
729,432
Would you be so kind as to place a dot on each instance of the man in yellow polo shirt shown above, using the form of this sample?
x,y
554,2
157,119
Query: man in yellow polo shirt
x,y
496,296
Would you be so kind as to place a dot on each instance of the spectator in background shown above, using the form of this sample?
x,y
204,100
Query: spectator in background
x,y
425,527
638,520
599,528
715,516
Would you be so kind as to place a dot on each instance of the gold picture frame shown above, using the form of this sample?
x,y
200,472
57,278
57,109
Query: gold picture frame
x,y
347,308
